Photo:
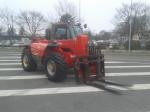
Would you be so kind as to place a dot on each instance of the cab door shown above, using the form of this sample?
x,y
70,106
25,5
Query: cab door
x,y
63,35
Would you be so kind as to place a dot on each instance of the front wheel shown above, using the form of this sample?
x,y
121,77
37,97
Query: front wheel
x,y
55,67
27,61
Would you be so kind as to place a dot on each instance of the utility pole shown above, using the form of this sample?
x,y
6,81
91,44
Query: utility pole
x,y
79,11
130,36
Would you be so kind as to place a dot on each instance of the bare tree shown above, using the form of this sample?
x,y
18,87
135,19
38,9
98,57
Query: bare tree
x,y
8,19
138,16
21,31
1,25
32,21
66,11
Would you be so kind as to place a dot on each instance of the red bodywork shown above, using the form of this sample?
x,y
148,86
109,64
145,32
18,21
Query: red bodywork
x,y
69,48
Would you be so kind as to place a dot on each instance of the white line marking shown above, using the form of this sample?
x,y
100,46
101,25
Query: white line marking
x,y
22,77
107,62
11,57
65,90
113,62
128,60
70,76
134,87
14,54
10,69
128,74
48,91
140,87
143,66
10,63
117,87
10,60
20,60
10,54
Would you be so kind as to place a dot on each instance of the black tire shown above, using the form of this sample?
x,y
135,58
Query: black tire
x,y
60,66
30,65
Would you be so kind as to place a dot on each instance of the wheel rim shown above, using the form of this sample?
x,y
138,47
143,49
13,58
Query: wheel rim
x,y
25,61
51,68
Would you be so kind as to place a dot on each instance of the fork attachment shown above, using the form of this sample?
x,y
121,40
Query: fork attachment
x,y
89,68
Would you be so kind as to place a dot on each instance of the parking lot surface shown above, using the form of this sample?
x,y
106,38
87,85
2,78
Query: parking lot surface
x,y
22,91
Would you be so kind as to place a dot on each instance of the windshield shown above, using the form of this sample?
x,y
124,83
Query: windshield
x,y
77,30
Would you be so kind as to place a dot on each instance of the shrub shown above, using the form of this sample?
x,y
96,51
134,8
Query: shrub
x,y
147,46
135,45
115,47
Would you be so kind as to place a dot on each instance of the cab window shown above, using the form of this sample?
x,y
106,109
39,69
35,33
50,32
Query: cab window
x,y
62,33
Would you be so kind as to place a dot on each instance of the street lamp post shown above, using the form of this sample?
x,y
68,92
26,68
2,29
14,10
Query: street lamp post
x,y
130,36
79,11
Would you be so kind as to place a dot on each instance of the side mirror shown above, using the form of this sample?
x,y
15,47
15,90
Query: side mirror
x,y
85,26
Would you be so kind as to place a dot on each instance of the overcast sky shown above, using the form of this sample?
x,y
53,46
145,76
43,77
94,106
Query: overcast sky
x,y
98,14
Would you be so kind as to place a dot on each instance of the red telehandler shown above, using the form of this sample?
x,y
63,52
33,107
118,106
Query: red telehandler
x,y
65,47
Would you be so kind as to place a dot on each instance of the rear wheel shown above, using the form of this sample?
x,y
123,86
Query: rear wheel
x,y
55,67
27,61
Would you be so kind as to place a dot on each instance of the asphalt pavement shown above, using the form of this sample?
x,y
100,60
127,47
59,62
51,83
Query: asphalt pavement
x,y
22,91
